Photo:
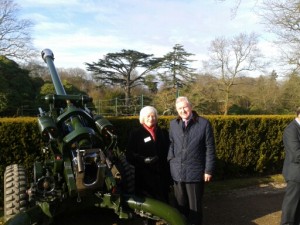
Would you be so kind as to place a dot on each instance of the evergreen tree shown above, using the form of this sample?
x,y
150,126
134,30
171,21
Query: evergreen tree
x,y
126,69
16,89
176,70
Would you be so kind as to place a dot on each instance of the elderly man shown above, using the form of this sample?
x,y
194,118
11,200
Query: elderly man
x,y
291,172
192,159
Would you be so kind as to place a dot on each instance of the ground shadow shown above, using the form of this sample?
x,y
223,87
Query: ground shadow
x,y
96,216
248,206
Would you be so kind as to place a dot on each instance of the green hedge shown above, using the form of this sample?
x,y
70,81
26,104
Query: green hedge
x,y
246,145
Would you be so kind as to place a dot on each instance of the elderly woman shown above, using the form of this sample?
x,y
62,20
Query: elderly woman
x,y
147,151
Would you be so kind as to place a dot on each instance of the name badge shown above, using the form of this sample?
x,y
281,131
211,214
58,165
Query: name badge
x,y
147,139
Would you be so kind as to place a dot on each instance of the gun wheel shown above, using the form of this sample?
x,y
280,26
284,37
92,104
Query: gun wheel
x,y
15,196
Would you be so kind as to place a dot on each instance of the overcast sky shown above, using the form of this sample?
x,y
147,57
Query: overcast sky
x,y
80,31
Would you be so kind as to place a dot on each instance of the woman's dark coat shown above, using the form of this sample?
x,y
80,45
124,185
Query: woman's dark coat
x,y
152,179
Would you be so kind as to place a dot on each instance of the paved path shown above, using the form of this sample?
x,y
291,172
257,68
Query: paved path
x,y
249,206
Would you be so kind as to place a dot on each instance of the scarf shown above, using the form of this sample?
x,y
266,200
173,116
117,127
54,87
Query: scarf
x,y
151,130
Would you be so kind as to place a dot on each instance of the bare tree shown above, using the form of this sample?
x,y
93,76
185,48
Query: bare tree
x,y
204,94
282,18
265,94
232,58
164,101
235,7
15,38
77,77
36,69
290,96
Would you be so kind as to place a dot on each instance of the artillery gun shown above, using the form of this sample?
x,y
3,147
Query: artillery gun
x,y
83,167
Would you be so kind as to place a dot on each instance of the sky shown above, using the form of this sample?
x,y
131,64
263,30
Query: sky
x,y
83,31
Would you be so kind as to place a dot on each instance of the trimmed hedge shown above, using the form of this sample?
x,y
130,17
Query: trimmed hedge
x,y
246,145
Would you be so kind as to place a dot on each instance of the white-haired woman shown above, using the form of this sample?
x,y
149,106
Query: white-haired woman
x,y
147,150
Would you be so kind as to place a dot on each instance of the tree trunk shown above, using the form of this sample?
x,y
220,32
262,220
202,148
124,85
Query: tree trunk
x,y
226,101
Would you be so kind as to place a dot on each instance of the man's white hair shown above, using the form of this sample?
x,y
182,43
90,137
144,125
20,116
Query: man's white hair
x,y
146,111
182,99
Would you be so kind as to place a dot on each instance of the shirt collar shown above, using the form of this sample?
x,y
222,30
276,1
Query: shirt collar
x,y
298,121
188,119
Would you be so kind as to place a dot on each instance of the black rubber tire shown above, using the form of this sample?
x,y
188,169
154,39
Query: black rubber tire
x,y
15,186
126,170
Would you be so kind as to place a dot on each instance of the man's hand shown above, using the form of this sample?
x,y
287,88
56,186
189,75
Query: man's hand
x,y
150,160
207,177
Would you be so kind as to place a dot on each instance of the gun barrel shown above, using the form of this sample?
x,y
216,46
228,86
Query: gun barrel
x,y
48,57
157,208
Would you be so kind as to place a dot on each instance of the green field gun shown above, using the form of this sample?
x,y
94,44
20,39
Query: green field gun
x,y
83,168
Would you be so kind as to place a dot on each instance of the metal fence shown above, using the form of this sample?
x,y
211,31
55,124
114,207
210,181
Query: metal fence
x,y
118,107
108,107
